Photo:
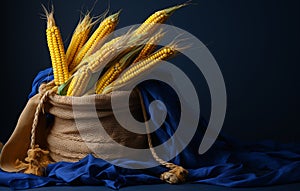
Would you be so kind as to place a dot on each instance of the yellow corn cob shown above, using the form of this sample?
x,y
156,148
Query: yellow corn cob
x,y
79,37
105,27
110,23
105,54
162,54
149,47
125,44
72,85
118,46
110,43
158,17
107,78
57,52
115,70
142,67
104,46
79,82
94,58
94,61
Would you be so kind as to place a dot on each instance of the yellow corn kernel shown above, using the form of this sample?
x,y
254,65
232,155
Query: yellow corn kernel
x,y
115,70
105,28
107,78
79,37
72,85
149,47
57,52
79,82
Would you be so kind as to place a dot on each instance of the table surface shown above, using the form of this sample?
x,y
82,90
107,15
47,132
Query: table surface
x,y
164,187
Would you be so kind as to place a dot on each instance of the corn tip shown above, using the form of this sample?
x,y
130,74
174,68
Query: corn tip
x,y
115,16
49,15
171,10
84,23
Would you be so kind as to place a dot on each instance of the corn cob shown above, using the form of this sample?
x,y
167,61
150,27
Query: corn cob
x,y
105,27
128,43
94,61
107,78
106,54
159,17
110,23
115,48
149,47
142,67
79,37
79,82
114,71
104,48
56,49
109,43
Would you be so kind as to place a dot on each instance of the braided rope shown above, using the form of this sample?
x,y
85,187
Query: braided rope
x,y
37,159
38,110
177,173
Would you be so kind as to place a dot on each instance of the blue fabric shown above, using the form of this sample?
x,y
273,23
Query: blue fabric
x,y
228,163
43,76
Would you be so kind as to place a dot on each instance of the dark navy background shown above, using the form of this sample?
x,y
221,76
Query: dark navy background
x,y
255,42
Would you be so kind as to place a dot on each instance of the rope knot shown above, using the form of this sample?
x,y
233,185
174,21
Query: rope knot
x,y
36,161
174,176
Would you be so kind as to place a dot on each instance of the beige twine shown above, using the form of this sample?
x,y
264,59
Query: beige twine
x,y
176,174
37,159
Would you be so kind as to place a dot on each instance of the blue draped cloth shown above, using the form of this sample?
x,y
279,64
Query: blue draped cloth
x,y
228,163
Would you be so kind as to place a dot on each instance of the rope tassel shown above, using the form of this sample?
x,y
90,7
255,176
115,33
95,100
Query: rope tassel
x,y
36,161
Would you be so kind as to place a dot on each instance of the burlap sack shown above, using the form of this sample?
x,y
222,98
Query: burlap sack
x,y
62,138
66,143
